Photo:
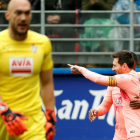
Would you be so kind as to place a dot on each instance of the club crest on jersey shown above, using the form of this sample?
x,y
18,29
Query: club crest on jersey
x,y
22,66
34,49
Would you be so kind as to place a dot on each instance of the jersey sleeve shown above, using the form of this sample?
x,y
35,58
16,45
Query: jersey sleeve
x,y
95,77
124,81
47,62
107,102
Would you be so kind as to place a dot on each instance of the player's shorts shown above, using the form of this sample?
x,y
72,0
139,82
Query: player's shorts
x,y
35,125
134,138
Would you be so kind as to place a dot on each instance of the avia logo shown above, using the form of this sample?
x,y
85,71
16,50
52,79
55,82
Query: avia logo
x,y
21,66
79,109
21,63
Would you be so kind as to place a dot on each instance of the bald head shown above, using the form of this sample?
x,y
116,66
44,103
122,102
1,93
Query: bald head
x,y
17,3
19,16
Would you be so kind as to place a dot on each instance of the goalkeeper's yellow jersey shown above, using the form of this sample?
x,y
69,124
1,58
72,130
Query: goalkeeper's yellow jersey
x,y
20,65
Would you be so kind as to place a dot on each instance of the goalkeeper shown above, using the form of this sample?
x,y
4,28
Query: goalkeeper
x,y
25,69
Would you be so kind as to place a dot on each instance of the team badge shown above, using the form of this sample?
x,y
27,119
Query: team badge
x,y
22,66
34,49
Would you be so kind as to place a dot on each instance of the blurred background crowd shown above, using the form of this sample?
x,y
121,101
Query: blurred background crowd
x,y
87,15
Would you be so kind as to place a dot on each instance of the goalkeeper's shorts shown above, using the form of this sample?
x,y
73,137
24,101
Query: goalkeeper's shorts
x,y
35,125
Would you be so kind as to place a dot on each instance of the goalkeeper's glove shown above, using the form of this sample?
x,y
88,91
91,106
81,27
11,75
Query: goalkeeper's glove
x,y
50,124
12,120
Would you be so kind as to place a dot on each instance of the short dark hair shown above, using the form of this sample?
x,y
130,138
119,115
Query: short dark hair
x,y
135,57
124,56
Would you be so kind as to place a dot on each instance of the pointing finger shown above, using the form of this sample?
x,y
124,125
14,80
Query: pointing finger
x,y
70,65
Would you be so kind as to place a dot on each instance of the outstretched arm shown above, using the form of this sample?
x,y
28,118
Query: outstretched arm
x,y
97,78
116,80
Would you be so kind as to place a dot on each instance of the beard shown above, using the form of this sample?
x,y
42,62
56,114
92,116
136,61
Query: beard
x,y
16,32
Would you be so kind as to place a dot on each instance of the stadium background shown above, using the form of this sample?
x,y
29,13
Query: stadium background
x,y
86,42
